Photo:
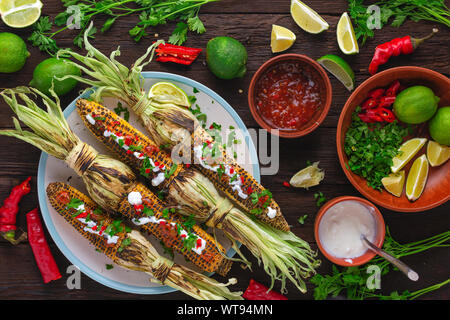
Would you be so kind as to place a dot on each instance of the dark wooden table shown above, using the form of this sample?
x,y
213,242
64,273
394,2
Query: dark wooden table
x,y
250,22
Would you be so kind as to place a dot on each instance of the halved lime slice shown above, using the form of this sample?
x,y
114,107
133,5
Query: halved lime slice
x,y
20,13
339,68
167,92
346,35
307,18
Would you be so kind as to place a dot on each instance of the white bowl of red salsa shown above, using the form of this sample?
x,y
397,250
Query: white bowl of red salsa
x,y
290,95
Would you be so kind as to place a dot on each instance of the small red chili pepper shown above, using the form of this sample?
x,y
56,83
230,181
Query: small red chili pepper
x,y
370,103
257,291
286,184
395,47
370,118
9,210
393,89
187,165
386,101
376,93
386,114
178,54
42,254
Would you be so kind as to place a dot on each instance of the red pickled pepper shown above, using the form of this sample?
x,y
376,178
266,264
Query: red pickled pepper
x,y
42,254
393,48
9,210
257,291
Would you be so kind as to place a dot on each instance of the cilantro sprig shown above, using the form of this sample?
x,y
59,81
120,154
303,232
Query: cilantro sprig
x,y
151,13
352,281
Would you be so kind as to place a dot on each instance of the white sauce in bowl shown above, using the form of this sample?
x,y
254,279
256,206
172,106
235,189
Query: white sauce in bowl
x,y
341,227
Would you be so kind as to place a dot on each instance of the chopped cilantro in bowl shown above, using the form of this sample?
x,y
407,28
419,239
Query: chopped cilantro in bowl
x,y
370,148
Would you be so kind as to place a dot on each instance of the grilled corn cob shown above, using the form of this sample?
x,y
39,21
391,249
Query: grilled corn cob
x,y
194,194
128,248
109,182
173,125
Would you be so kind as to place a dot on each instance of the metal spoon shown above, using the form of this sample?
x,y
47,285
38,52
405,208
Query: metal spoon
x,y
412,275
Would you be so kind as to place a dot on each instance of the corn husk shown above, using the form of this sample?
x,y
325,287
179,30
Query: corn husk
x,y
106,179
140,255
282,254
133,251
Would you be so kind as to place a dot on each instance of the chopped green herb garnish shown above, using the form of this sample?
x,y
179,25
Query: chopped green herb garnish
x,y
320,198
302,219
371,147
109,266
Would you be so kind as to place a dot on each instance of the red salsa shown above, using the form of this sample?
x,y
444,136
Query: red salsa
x,y
288,95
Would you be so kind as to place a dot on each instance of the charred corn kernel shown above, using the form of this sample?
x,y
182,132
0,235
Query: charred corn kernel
x,y
60,195
250,195
174,230
129,144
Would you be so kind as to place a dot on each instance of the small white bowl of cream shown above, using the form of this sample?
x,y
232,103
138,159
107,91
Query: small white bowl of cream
x,y
338,228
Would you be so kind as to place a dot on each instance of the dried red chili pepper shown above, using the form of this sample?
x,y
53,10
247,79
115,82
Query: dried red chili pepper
x,y
42,254
9,210
178,54
395,47
257,291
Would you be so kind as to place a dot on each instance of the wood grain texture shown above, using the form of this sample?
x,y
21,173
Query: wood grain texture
x,y
250,22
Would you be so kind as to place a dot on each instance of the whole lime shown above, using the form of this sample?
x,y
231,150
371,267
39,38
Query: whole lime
x,y
439,126
13,52
415,105
226,57
46,71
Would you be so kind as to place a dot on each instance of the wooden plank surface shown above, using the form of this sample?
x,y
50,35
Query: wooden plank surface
x,y
250,22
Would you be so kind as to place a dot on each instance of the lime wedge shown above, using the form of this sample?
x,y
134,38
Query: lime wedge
x,y
394,183
339,68
307,18
417,178
308,177
437,154
406,152
167,92
346,35
20,13
281,38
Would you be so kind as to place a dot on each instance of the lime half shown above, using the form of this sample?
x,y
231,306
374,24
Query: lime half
x,y
20,13
339,68
346,35
167,92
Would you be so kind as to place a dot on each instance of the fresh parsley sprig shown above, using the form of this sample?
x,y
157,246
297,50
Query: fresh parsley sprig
x,y
80,13
352,281
396,12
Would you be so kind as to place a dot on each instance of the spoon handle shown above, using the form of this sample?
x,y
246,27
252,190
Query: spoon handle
x,y
396,262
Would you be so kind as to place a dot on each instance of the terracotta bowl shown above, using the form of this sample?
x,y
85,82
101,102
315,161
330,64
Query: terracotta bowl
x,y
326,95
379,238
437,189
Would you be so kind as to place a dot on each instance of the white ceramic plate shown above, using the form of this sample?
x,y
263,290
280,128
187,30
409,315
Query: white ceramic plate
x,y
76,248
